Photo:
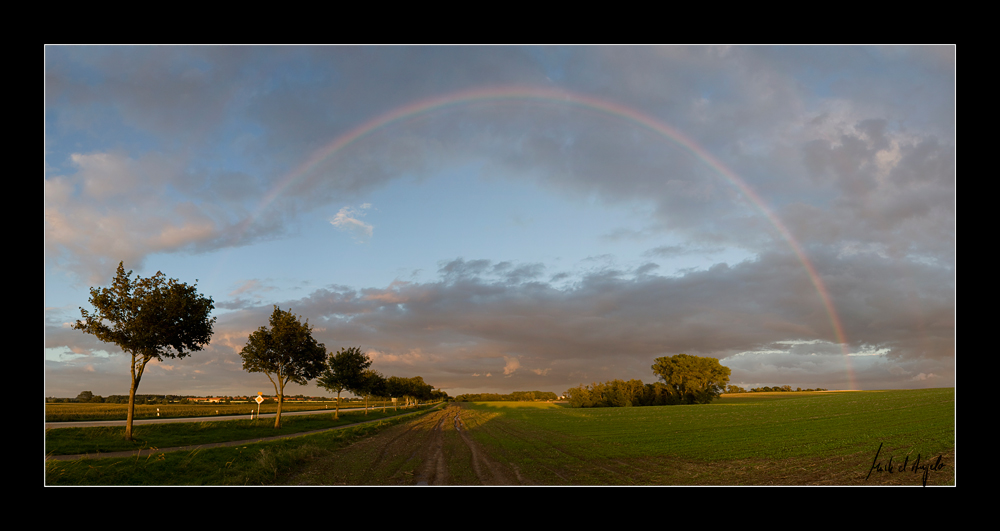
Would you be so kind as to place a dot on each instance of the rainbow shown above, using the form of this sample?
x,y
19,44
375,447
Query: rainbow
x,y
574,100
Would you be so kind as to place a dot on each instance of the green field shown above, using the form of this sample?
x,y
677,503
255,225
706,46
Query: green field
x,y
753,438
768,425
825,438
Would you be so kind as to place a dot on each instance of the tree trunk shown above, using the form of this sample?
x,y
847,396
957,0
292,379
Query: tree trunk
x,y
277,418
131,397
131,411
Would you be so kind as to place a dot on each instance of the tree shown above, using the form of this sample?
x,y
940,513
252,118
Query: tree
x,y
396,387
344,372
692,379
372,383
414,388
148,318
420,389
399,387
438,394
285,352
84,396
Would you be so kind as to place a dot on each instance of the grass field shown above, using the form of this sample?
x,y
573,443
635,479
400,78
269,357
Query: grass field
x,y
828,438
754,438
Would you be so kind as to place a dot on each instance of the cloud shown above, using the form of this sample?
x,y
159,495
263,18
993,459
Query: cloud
x,y
472,314
114,208
346,220
249,286
510,365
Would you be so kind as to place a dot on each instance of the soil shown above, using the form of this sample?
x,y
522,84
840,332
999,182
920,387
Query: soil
x,y
438,449
434,449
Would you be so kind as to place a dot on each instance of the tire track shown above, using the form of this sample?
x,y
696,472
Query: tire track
x,y
434,449
488,471
383,458
435,469
383,450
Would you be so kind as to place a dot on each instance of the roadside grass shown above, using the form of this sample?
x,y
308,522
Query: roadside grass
x,y
250,464
783,437
262,463
71,441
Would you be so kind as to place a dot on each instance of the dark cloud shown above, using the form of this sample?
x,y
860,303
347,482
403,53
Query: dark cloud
x,y
476,318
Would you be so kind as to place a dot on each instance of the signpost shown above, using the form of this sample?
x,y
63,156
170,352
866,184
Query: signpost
x,y
259,399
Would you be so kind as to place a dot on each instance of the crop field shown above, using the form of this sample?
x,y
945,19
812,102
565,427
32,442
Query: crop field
x,y
780,438
827,438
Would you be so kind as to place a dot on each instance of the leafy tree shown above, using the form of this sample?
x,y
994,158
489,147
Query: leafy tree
x,y
615,393
84,396
148,318
372,383
344,372
581,396
285,352
692,379
419,389
437,394
409,388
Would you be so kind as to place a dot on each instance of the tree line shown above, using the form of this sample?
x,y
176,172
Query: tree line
x,y
87,397
735,389
516,396
155,318
287,352
684,379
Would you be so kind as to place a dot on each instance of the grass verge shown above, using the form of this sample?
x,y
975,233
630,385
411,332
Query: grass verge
x,y
260,463
72,441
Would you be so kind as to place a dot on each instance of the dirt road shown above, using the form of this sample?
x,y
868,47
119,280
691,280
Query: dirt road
x,y
434,449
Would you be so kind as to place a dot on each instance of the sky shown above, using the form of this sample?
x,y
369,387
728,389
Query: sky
x,y
512,218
